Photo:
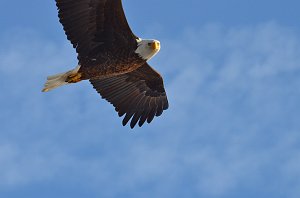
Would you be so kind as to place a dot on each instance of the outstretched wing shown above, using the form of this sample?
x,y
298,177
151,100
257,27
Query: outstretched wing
x,y
139,95
93,26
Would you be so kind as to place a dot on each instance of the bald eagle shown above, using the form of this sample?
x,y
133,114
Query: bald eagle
x,y
112,58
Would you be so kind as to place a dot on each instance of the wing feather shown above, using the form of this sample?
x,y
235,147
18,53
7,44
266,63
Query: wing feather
x,y
93,26
139,95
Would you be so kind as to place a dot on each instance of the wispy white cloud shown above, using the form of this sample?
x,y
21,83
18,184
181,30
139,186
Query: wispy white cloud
x,y
237,88
21,165
232,127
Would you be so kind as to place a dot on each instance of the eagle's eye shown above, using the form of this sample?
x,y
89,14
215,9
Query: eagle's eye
x,y
149,44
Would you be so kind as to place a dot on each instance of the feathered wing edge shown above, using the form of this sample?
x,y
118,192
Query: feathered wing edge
x,y
139,95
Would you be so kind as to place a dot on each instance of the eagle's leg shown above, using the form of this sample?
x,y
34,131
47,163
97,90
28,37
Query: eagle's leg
x,y
74,78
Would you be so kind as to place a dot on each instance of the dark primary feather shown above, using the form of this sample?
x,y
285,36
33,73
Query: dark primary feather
x,y
94,26
139,95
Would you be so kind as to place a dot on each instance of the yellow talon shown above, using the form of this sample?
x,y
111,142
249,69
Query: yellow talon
x,y
74,78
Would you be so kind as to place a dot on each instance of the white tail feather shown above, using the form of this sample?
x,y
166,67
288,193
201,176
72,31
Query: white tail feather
x,y
58,79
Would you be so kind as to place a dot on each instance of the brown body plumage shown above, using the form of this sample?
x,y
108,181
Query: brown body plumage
x,y
108,65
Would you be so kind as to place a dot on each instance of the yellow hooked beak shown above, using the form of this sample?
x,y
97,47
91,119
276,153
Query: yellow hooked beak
x,y
155,45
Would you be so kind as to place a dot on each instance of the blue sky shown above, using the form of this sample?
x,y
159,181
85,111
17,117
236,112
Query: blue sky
x,y
231,70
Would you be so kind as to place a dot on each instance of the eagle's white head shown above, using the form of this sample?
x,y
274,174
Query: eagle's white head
x,y
147,48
